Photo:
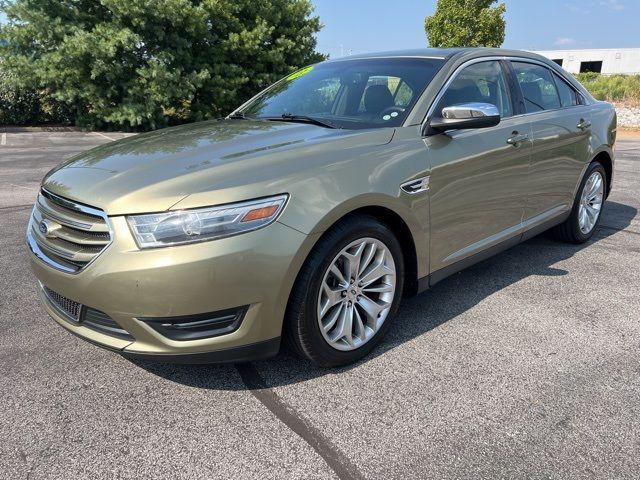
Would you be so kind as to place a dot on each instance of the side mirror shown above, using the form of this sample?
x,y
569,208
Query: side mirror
x,y
465,115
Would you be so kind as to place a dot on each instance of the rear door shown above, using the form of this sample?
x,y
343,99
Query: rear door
x,y
561,139
478,176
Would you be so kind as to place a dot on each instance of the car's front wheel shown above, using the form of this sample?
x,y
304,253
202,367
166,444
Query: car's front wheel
x,y
346,293
587,207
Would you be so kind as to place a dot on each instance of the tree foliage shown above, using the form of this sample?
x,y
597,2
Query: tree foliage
x,y
143,64
612,88
29,106
466,23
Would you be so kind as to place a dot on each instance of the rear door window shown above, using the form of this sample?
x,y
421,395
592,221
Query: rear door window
x,y
537,86
568,96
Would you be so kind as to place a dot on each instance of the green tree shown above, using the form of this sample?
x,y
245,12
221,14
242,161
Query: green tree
x,y
143,64
466,23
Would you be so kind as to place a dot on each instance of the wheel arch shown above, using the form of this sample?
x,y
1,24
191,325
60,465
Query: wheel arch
x,y
604,158
402,232
398,226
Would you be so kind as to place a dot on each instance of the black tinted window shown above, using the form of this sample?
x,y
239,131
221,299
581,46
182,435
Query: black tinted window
x,y
537,86
481,82
567,94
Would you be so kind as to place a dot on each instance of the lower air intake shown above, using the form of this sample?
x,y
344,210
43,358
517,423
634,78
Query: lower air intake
x,y
86,316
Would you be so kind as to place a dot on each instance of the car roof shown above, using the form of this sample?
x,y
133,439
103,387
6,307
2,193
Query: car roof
x,y
441,53
416,52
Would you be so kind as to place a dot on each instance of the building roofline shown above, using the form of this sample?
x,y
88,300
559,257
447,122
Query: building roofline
x,y
585,49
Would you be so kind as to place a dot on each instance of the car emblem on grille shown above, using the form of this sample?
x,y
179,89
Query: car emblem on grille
x,y
47,228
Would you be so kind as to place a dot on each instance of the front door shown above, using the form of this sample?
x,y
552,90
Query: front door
x,y
478,176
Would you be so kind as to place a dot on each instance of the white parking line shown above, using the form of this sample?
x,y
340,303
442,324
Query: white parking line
x,y
20,186
3,139
103,135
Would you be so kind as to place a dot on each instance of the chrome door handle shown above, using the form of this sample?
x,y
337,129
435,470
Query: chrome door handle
x,y
584,124
517,138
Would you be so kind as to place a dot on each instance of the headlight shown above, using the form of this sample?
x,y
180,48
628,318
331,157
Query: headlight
x,y
190,226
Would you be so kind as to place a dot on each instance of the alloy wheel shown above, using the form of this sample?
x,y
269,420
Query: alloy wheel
x,y
591,202
356,294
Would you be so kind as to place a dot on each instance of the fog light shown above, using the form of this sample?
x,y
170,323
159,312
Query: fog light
x,y
196,327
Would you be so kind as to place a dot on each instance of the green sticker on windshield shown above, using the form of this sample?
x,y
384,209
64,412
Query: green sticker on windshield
x,y
300,73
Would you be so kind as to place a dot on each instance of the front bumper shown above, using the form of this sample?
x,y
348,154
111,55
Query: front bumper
x,y
255,271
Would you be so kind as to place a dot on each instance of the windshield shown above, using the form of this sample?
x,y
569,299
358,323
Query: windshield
x,y
363,93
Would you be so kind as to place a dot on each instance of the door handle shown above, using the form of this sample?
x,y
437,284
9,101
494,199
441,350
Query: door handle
x,y
517,138
583,124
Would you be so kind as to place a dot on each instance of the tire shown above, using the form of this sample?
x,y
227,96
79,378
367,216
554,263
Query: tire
x,y
571,231
316,281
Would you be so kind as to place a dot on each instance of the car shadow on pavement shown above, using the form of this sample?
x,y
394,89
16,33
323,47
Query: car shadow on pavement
x,y
418,315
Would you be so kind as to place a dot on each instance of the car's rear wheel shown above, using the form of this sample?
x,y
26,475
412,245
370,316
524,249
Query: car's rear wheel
x,y
346,293
587,207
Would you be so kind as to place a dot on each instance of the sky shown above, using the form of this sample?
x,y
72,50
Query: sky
x,y
360,26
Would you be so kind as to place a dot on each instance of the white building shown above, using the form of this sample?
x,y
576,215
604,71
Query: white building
x,y
606,61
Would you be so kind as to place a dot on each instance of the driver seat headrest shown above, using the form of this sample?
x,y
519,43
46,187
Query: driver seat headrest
x,y
377,98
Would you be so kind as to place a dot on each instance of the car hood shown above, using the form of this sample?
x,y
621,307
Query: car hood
x,y
153,172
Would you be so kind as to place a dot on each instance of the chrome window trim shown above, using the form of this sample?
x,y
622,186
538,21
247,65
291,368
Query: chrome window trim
x,y
507,58
71,205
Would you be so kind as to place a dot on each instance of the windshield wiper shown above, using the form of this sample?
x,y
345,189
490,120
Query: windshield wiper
x,y
237,116
289,117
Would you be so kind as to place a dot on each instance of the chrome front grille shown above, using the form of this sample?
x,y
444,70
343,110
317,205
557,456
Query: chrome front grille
x,y
65,234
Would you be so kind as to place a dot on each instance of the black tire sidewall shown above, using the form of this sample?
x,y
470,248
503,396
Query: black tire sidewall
x,y
575,213
316,347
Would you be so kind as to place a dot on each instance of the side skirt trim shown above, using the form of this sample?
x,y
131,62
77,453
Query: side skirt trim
x,y
430,280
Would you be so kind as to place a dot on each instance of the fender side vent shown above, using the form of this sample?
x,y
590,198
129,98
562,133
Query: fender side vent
x,y
415,186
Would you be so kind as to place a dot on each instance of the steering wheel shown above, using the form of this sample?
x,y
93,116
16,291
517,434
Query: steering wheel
x,y
390,110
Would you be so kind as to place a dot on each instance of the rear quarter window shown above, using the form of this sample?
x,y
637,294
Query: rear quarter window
x,y
568,96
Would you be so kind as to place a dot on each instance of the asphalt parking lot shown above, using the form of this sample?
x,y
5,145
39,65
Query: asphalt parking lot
x,y
524,366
